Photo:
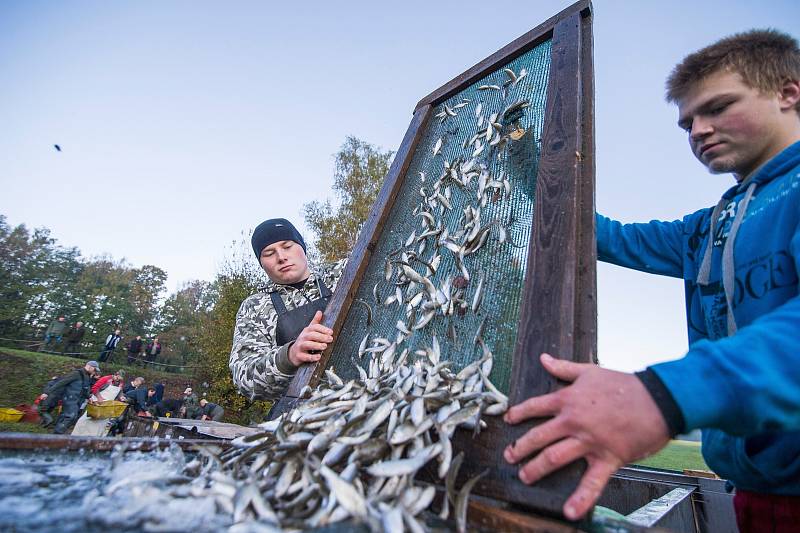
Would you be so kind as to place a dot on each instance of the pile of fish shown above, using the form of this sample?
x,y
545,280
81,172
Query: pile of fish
x,y
352,450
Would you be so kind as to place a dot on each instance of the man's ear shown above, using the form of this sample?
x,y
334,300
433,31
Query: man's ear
x,y
789,95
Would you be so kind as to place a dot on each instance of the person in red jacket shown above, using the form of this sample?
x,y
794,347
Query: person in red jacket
x,y
115,378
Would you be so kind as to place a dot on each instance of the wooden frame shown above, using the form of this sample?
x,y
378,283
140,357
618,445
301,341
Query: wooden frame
x,y
558,310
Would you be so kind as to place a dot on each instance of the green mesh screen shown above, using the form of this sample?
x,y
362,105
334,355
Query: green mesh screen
x,y
508,160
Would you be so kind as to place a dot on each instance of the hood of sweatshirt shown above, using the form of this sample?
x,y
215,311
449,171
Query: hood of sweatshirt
x,y
775,167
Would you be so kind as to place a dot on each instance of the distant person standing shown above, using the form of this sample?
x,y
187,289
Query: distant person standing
x,y
110,345
74,336
152,350
54,331
134,349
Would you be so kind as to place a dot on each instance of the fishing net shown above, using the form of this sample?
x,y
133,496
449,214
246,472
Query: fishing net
x,y
474,169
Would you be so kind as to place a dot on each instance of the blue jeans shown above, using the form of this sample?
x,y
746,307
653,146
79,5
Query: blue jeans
x,y
47,338
106,354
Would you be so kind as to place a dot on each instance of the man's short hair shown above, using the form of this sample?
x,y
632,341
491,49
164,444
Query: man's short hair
x,y
764,59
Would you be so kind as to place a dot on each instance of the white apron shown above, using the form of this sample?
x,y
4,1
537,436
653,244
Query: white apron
x,y
96,427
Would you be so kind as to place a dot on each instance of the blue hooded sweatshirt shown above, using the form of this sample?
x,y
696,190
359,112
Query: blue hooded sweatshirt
x,y
740,379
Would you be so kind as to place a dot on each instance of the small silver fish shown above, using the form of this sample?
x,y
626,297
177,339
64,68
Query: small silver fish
x,y
438,146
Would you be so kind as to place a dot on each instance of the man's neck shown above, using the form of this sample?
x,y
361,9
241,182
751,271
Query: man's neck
x,y
790,139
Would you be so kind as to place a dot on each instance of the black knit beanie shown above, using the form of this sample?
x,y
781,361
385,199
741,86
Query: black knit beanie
x,y
272,231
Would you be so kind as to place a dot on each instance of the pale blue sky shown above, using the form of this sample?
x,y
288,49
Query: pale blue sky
x,y
184,123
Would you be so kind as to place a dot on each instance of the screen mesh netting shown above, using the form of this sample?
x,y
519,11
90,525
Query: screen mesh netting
x,y
449,265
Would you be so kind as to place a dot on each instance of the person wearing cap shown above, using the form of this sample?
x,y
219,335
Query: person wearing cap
x,y
279,328
71,390
191,407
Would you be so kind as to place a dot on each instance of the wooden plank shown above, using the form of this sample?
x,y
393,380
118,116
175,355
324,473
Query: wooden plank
x,y
484,453
586,249
337,309
485,516
514,49
492,518
547,312
550,299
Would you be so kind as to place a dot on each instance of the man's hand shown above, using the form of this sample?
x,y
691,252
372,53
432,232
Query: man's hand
x,y
605,417
43,397
314,338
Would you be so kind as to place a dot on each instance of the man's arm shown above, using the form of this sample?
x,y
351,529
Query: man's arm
x,y
655,247
260,369
100,383
745,384
750,381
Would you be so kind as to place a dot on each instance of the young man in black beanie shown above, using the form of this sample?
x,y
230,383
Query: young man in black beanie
x,y
279,328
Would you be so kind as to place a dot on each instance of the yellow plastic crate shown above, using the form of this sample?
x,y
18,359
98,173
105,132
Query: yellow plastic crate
x,y
106,409
7,414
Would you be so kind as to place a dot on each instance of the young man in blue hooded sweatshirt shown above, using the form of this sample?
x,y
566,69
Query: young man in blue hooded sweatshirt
x,y
739,102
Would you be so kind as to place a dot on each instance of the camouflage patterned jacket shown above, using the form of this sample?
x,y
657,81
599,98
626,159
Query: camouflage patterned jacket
x,y
261,369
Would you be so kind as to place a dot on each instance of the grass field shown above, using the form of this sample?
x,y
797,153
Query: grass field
x,y
25,373
22,427
679,455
